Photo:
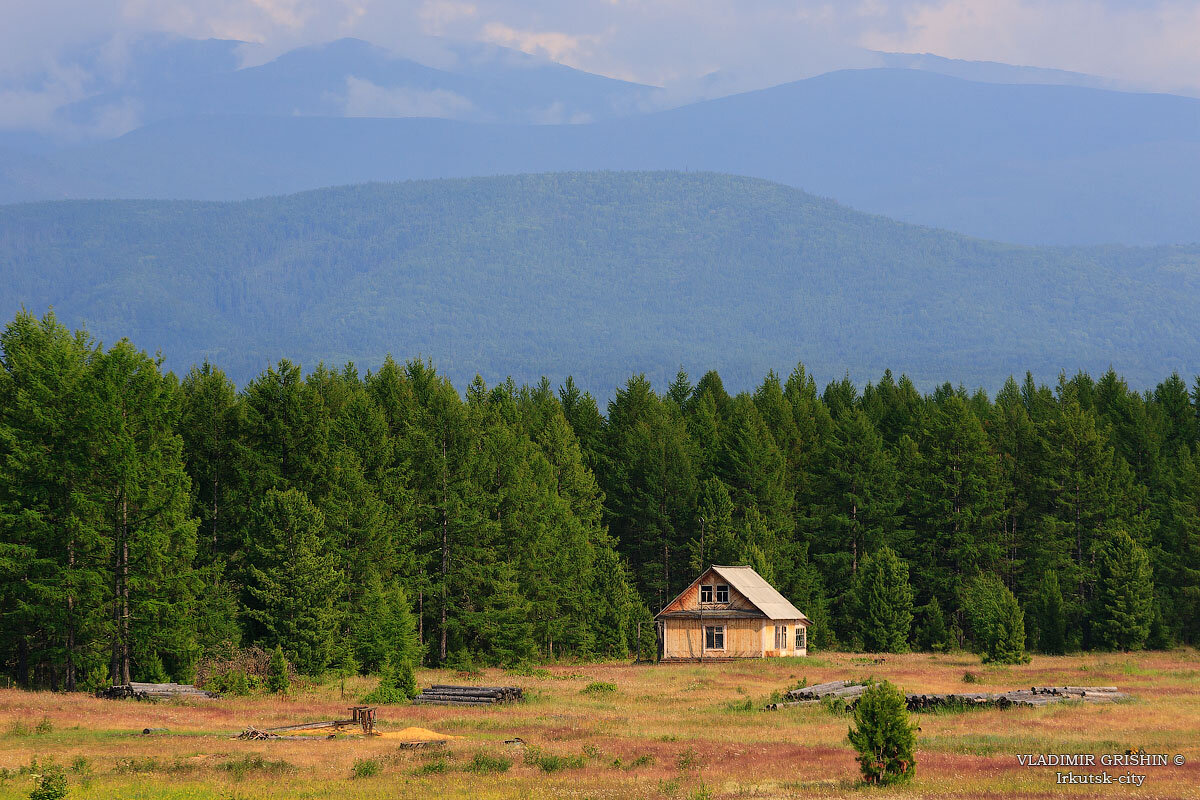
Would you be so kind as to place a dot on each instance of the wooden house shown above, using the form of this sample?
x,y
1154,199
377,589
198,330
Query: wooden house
x,y
727,613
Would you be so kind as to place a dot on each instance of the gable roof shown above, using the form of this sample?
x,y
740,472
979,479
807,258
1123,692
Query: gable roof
x,y
761,594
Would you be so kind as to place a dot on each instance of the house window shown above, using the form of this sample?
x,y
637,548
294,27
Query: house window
x,y
714,637
722,593
706,594
781,637
801,637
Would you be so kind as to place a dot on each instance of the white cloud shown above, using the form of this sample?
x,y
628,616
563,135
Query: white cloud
x,y
555,45
365,99
1149,43
1154,44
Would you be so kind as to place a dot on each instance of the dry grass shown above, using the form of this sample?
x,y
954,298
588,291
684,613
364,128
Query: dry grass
x,y
667,731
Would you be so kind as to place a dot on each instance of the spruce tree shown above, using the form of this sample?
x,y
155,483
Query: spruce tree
x,y
294,581
1051,616
859,508
1125,593
883,736
883,602
934,634
955,501
55,547
140,470
278,680
996,621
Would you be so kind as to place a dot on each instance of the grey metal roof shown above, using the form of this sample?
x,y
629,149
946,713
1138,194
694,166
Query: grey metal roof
x,y
759,592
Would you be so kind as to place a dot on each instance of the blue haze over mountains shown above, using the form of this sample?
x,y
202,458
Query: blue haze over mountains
x,y
1025,161
660,263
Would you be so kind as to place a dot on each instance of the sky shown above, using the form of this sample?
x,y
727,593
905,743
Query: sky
x,y
1151,44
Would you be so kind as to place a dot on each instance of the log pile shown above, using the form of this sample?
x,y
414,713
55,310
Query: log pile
x,y
443,694
153,691
848,692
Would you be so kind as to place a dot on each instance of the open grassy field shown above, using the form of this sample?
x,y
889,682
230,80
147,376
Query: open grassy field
x,y
685,731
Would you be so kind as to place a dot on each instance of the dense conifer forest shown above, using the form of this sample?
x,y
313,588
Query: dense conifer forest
x,y
147,520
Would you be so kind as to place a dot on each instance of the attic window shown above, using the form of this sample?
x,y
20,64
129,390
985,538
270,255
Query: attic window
x,y
722,593
706,594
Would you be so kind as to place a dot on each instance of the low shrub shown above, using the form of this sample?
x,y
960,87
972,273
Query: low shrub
x,y
644,760
599,688
365,768
51,784
551,762
241,767
487,764
437,767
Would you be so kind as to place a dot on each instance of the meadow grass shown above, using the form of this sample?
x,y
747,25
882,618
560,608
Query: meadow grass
x,y
666,731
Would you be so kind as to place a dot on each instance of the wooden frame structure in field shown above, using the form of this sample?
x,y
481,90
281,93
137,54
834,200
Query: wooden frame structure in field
x,y
728,613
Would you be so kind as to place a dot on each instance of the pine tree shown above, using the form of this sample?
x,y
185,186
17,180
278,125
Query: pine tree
x,y
996,621
883,602
1125,594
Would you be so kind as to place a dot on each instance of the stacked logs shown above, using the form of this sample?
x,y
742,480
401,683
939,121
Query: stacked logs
x,y
444,694
153,691
1024,698
848,692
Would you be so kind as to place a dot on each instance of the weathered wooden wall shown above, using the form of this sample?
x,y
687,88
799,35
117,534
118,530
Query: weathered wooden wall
x,y
690,599
682,638
768,638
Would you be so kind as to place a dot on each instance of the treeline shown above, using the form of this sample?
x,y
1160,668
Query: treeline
x,y
146,521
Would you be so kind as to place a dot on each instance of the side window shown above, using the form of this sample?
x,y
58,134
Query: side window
x,y
801,637
714,637
722,593
706,594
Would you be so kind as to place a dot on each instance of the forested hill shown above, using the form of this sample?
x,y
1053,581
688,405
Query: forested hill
x,y
599,275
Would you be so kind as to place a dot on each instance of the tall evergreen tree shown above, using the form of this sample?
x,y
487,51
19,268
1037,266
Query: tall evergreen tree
x,y
883,602
1125,593
294,581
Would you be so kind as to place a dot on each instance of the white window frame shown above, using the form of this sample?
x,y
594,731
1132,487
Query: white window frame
x,y
781,637
721,589
801,637
706,588
718,635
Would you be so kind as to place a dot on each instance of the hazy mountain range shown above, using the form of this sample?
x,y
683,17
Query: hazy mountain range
x,y
601,275
1014,154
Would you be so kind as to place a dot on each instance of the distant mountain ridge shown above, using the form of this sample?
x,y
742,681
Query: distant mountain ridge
x,y
1024,163
597,274
1011,153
